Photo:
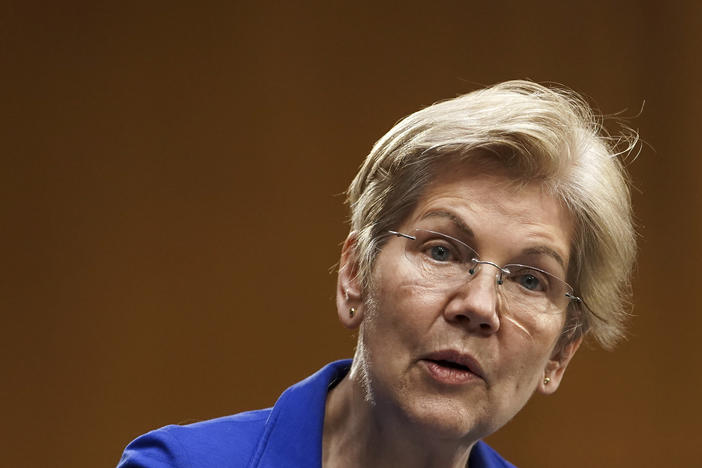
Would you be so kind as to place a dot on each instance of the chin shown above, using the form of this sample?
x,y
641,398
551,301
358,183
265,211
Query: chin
x,y
443,418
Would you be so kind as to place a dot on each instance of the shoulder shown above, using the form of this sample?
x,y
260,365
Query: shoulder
x,y
289,434
226,441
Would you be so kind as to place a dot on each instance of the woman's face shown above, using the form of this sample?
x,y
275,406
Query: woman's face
x,y
456,361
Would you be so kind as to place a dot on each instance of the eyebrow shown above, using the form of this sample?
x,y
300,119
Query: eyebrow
x,y
454,219
543,250
462,226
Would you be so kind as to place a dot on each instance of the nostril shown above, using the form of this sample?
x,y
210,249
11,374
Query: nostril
x,y
485,326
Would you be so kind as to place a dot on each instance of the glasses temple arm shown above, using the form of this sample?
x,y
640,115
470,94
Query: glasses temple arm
x,y
400,234
584,304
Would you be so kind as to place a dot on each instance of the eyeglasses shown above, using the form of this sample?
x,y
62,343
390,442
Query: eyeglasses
x,y
444,262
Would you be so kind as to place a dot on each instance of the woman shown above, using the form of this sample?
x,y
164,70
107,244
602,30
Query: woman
x,y
490,234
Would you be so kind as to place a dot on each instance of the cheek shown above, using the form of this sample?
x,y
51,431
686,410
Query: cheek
x,y
519,378
543,330
530,343
400,317
405,303
396,285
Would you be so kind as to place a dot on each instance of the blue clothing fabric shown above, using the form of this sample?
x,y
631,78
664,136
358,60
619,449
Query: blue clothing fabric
x,y
287,435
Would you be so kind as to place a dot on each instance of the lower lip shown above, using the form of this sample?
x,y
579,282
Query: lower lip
x,y
449,375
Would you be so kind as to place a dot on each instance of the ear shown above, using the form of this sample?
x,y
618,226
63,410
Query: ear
x,y
349,302
556,366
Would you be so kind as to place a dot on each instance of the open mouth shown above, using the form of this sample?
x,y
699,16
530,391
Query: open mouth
x,y
450,364
452,367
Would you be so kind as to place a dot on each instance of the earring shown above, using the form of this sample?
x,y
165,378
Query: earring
x,y
352,311
547,380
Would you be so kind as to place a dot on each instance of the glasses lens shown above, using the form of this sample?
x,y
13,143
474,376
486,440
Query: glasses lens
x,y
531,288
441,260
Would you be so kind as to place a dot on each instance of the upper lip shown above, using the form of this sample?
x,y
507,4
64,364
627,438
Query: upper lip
x,y
464,359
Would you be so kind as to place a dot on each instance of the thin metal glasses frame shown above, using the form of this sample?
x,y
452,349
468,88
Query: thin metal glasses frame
x,y
502,270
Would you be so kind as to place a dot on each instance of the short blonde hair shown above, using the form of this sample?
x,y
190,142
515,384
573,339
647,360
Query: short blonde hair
x,y
536,133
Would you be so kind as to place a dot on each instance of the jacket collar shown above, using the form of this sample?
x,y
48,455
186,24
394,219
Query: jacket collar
x,y
293,433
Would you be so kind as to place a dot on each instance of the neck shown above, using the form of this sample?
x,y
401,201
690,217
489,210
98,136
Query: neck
x,y
358,432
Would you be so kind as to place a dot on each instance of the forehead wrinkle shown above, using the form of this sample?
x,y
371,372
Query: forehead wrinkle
x,y
508,200
546,243
462,226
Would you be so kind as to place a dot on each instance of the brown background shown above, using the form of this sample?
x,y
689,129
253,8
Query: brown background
x,y
171,208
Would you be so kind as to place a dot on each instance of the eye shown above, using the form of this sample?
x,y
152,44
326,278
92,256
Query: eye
x,y
438,249
529,278
530,282
440,253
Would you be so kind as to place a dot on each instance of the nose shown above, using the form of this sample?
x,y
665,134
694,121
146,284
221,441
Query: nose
x,y
474,305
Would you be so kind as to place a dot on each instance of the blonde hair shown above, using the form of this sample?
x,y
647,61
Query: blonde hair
x,y
535,133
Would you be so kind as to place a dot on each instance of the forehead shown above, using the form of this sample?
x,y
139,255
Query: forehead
x,y
496,209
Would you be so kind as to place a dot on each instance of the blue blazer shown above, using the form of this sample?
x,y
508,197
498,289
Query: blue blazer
x,y
287,435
